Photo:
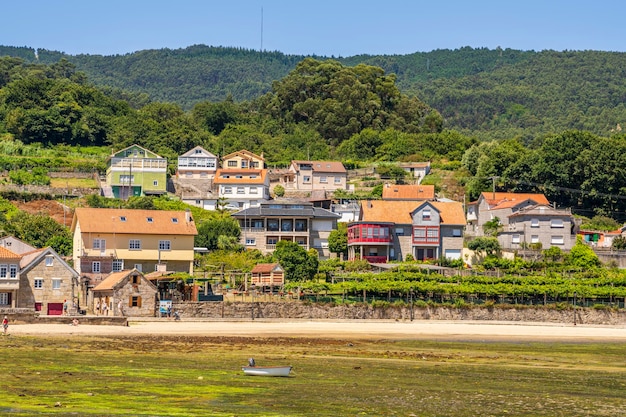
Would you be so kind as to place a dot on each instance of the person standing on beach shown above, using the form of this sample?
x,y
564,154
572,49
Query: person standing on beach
x,y
5,325
65,306
97,307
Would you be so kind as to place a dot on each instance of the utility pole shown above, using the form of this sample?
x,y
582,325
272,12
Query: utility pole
x,y
493,179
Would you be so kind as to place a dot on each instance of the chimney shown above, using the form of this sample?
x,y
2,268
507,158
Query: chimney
x,y
188,215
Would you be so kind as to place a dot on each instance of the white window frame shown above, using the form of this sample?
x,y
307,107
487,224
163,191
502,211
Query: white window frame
x,y
13,271
557,224
56,283
241,190
96,267
557,240
254,190
250,241
38,284
228,190
534,223
337,180
134,244
4,270
165,245
516,238
155,183
324,179
49,260
534,239
426,214
99,244
306,179
457,233
118,265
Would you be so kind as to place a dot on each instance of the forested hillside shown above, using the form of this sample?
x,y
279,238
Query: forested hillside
x,y
491,93
323,109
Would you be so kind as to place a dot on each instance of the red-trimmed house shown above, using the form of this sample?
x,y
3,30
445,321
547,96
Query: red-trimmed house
x,y
391,230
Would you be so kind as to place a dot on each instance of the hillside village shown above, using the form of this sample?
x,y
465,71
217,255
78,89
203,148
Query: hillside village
x,y
123,259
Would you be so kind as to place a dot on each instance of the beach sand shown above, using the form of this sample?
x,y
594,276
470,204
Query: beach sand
x,y
345,329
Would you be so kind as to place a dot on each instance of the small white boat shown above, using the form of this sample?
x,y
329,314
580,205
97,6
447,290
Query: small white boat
x,y
266,370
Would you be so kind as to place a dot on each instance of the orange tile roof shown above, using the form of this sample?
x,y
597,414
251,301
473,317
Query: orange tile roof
x,y
112,280
7,254
245,176
400,211
495,199
106,220
408,192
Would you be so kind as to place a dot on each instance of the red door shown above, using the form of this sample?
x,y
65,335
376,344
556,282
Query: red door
x,y
38,306
55,309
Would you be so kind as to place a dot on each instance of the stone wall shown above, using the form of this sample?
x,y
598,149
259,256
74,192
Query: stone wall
x,y
312,311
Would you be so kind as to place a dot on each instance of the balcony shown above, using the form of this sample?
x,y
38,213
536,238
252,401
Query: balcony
x,y
383,240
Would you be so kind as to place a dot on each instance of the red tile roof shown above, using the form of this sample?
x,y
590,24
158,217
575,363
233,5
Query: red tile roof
x,y
7,254
264,268
323,166
400,211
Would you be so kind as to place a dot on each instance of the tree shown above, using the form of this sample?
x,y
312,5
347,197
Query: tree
x,y
488,245
619,243
583,256
299,265
279,190
210,231
40,231
338,239
492,227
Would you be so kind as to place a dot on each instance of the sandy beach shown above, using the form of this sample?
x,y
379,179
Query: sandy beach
x,y
370,329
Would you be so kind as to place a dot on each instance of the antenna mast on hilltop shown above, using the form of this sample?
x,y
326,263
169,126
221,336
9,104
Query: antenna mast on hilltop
x,y
261,29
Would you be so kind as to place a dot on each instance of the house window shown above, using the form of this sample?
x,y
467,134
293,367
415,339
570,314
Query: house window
x,y
557,240
155,183
4,298
271,241
287,225
534,223
134,244
95,266
306,179
174,220
323,179
12,271
534,239
228,190
123,218
250,241
337,180
232,164
56,283
301,241
272,225
49,260
99,244
301,225
419,233
165,245
135,301
149,219
135,279
254,190
556,223
255,164
515,239
399,231
3,271
456,232
127,179
241,190
118,265
244,164
38,284
426,215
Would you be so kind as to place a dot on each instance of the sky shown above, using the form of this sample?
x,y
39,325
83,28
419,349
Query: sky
x,y
315,27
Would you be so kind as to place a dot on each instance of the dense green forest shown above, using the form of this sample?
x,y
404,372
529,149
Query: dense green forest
x,y
357,113
491,93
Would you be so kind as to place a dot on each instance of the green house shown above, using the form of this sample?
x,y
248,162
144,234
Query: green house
x,y
135,171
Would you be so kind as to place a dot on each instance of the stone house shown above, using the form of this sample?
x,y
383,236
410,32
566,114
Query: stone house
x,y
540,225
129,290
46,282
